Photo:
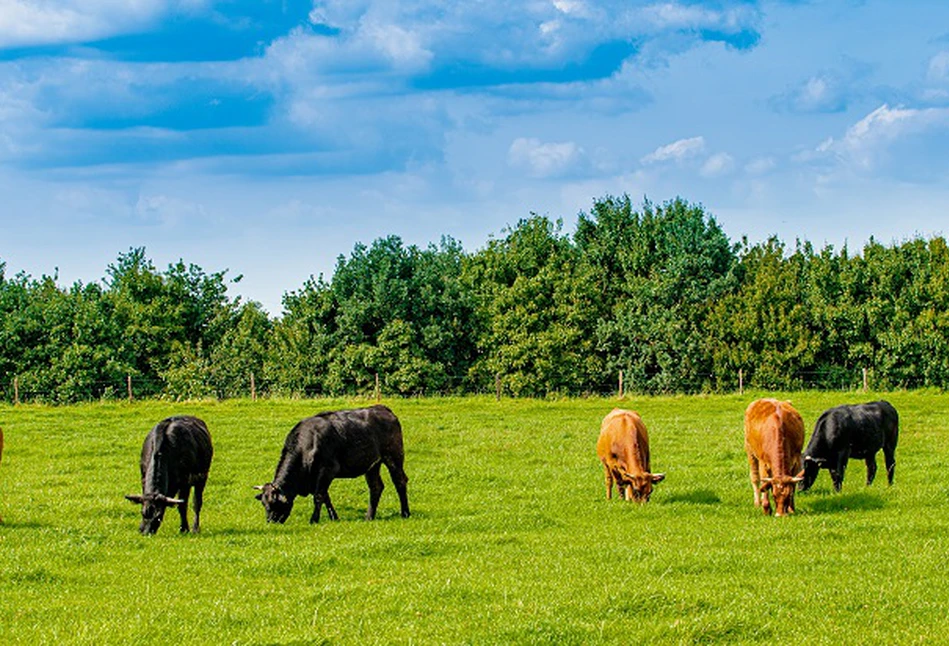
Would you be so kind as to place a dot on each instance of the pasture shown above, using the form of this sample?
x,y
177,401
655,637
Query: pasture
x,y
511,539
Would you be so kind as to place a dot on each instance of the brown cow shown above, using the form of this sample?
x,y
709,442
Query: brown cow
x,y
623,448
774,437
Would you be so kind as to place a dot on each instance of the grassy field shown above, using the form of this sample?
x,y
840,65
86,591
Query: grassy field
x,y
511,539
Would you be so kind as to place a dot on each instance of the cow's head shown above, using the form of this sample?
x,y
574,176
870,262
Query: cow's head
x,y
277,504
639,487
153,509
809,473
782,487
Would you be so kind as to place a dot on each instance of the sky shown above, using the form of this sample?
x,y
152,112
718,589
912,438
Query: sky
x,y
267,137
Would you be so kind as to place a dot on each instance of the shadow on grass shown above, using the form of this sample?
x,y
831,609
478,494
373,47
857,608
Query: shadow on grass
x,y
694,497
11,524
834,503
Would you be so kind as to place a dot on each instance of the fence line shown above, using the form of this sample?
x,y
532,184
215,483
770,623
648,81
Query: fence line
x,y
377,385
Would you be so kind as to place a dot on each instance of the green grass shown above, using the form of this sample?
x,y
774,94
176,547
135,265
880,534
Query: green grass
x,y
511,539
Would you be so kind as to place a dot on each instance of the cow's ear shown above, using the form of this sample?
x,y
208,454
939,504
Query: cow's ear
x,y
259,496
136,498
658,477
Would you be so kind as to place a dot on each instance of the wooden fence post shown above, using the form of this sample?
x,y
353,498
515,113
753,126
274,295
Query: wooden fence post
x,y
864,380
378,393
16,391
128,385
620,384
253,388
741,382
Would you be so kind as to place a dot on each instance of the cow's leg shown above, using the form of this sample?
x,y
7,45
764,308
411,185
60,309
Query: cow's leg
x,y
871,469
755,478
376,485
198,503
889,458
320,498
838,469
183,507
400,480
609,482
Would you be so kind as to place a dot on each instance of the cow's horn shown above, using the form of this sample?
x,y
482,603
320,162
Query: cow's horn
x,y
259,487
658,477
798,478
136,498
767,480
171,501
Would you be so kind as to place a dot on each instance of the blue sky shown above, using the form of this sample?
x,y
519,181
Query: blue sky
x,y
268,136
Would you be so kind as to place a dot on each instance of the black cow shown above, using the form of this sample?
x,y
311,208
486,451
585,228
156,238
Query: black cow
x,y
339,444
176,455
854,432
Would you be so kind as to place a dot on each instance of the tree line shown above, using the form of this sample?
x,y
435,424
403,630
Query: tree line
x,y
659,293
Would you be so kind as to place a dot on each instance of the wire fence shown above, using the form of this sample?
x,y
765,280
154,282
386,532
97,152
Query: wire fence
x,y
19,391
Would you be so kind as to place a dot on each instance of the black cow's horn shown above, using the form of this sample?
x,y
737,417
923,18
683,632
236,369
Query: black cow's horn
x,y
136,498
259,487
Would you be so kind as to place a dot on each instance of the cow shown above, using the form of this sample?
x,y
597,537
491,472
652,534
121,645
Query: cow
x,y
851,432
623,448
176,456
336,444
774,435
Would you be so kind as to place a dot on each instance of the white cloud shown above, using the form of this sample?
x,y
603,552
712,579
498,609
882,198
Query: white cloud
x,y
676,151
540,159
866,141
678,16
938,71
717,165
45,22
760,166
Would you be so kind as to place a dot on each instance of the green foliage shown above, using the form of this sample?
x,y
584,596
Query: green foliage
x,y
532,311
659,272
394,311
659,295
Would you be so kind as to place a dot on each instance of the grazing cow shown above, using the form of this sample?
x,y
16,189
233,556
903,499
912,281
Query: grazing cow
x,y
774,435
338,444
176,456
623,448
852,432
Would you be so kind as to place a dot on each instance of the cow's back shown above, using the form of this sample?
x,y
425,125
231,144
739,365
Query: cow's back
x,y
774,434
353,439
181,446
623,438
